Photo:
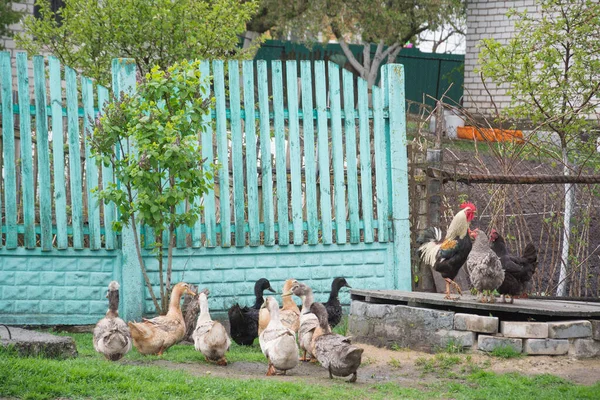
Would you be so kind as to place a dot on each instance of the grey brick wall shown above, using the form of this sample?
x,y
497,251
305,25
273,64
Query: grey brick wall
x,y
487,19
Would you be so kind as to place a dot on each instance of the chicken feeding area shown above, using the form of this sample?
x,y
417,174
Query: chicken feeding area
x,y
429,322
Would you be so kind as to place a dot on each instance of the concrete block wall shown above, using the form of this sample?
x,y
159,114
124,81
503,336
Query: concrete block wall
x,y
487,19
426,329
65,287
230,273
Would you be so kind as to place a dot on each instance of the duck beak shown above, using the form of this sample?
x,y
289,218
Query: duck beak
x,y
270,289
286,294
191,292
348,286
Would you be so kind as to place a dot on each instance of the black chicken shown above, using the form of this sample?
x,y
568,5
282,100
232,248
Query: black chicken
x,y
518,270
244,321
333,306
448,255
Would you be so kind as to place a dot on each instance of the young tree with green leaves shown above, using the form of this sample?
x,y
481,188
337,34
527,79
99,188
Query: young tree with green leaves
x,y
552,67
151,141
88,34
8,16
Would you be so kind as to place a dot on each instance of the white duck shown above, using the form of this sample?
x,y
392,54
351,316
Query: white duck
x,y
277,342
210,337
111,334
308,321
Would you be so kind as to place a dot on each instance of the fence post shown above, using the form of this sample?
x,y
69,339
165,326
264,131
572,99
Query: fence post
x,y
123,77
399,174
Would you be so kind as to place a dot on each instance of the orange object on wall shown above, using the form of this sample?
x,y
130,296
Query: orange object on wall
x,y
489,135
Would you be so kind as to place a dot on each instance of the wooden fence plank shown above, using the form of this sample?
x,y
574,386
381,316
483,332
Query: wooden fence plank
x,y
366,188
351,159
294,138
107,178
43,153
74,158
386,129
323,152
280,154
310,167
251,164
380,166
91,171
8,151
210,221
236,153
337,148
58,153
266,160
222,150
26,151
399,175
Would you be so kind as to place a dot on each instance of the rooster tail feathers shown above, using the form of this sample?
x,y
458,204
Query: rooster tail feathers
x,y
530,253
430,245
431,234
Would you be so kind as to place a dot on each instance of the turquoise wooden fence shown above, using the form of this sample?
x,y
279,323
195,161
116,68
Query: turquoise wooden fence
x,y
310,185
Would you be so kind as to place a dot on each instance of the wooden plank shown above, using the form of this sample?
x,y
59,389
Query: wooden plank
x,y
399,176
266,159
551,308
237,153
26,151
210,213
74,158
251,160
310,167
222,150
351,159
43,153
91,171
58,153
107,178
323,152
380,166
386,129
337,148
294,138
366,189
280,156
8,151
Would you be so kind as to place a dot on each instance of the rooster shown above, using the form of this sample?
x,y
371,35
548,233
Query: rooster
x,y
484,268
518,270
448,255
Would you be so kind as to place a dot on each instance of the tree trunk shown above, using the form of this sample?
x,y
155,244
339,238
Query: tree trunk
x,y
561,289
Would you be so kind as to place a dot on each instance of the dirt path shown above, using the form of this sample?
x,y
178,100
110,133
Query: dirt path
x,y
410,368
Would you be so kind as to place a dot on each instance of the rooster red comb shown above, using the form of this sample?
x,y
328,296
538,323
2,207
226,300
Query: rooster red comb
x,y
469,205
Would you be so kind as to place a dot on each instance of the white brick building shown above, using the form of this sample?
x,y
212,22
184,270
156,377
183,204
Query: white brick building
x,y
487,19
25,6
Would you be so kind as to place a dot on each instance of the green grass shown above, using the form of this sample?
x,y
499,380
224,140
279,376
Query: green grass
x,y
505,352
135,377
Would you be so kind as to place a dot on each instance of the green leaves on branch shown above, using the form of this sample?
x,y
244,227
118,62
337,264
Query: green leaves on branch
x,y
152,141
550,67
153,32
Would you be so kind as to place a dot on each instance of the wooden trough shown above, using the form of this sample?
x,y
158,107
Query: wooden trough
x,y
428,321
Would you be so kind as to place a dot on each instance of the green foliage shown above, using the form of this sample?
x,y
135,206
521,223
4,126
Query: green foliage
x,y
162,123
551,66
159,32
505,352
7,17
151,141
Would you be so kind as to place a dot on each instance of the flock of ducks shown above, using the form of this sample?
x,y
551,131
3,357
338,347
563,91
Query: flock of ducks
x,y
282,332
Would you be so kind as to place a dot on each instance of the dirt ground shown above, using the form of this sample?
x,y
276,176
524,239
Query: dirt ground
x,y
410,368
